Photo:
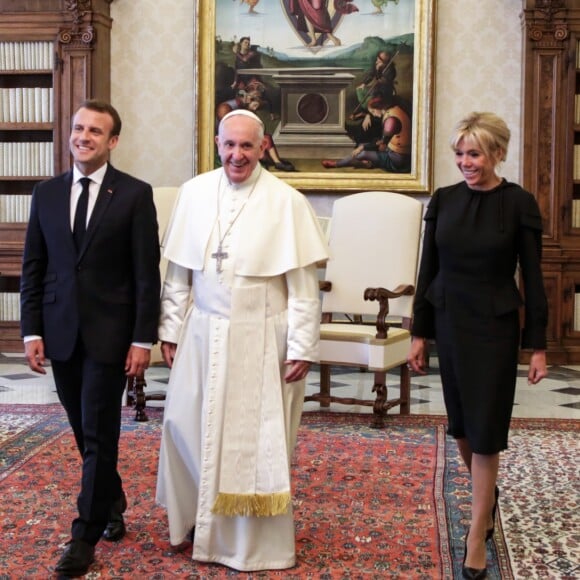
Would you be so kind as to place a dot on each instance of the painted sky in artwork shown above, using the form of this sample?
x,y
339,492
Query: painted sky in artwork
x,y
270,27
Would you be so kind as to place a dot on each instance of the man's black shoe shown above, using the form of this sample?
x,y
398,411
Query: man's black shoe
x,y
115,529
76,559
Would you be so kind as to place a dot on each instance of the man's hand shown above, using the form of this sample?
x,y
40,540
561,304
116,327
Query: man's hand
x,y
137,361
297,370
168,351
34,353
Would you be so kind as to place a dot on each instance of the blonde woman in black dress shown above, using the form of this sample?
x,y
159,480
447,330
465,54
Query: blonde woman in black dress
x,y
476,232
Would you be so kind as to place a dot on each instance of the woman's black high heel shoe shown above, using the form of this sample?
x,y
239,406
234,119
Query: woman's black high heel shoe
x,y
490,532
471,573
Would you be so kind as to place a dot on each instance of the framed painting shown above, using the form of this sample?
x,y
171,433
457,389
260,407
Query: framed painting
x,y
344,88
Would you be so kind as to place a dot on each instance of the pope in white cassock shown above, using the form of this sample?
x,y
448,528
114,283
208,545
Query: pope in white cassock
x,y
239,327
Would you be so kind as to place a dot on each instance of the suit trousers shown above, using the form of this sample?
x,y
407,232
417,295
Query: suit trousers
x,y
91,393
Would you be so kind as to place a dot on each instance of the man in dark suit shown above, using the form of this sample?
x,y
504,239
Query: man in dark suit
x,y
90,303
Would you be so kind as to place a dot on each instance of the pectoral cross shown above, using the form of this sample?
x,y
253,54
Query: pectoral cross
x,y
218,257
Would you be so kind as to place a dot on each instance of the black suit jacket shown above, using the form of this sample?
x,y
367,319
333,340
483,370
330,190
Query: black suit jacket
x,y
108,291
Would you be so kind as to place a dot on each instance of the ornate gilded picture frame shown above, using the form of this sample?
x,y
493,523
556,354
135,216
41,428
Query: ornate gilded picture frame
x,y
344,87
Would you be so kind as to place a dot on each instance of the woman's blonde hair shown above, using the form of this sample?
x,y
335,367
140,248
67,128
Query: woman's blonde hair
x,y
489,131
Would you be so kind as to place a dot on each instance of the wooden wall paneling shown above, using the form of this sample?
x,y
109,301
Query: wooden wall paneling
x,y
550,84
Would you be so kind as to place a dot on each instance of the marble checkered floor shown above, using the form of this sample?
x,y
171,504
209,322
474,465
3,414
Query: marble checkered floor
x,y
558,396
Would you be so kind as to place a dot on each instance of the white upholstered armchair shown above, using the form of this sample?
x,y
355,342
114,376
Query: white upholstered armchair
x,y
368,292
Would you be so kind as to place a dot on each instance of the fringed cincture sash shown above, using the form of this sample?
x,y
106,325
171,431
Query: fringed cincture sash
x,y
273,504
254,478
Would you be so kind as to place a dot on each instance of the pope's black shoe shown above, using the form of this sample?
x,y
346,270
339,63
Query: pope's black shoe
x,y
115,529
76,559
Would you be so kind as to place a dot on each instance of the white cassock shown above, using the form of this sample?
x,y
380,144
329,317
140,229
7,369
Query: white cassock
x,y
230,420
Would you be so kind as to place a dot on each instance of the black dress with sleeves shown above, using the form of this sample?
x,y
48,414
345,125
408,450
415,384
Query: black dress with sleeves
x,y
468,300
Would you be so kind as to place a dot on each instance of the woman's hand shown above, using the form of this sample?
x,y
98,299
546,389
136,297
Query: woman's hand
x,y
416,356
538,369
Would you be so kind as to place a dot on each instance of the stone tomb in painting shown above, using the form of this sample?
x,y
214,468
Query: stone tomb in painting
x,y
312,111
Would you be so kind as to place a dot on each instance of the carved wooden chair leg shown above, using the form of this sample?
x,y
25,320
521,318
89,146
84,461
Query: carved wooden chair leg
x,y
139,385
130,393
405,390
380,388
325,386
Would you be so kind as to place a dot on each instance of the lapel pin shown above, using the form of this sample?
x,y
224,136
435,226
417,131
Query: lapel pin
x,y
109,191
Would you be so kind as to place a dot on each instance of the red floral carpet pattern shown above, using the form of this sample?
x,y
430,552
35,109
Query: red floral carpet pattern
x,y
367,503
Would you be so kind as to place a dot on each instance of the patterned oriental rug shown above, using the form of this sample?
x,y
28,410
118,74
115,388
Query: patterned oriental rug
x,y
367,503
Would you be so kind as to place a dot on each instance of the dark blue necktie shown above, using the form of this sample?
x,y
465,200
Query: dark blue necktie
x,y
80,223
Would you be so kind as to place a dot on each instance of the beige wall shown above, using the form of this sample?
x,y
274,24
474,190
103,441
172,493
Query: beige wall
x,y
478,56
152,87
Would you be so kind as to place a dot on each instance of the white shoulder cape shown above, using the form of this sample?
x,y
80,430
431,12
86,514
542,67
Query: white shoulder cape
x,y
279,230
